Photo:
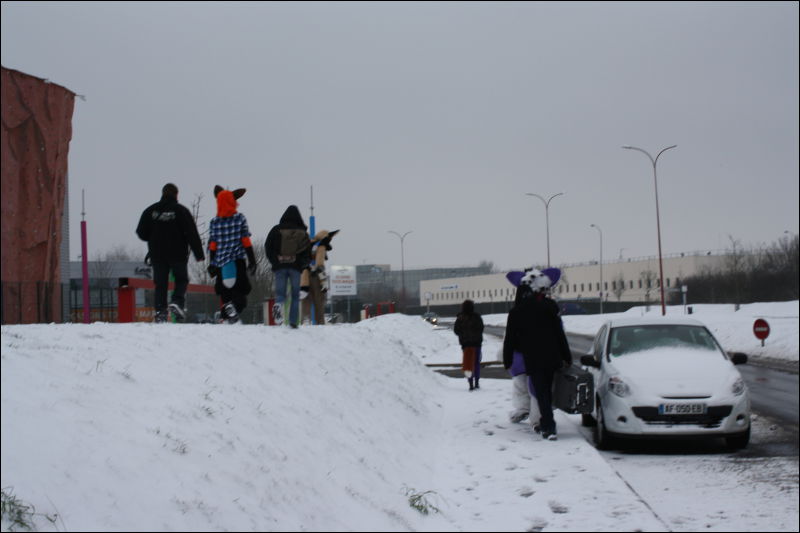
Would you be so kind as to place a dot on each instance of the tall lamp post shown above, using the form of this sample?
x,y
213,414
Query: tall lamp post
x,y
595,226
546,219
658,222
402,267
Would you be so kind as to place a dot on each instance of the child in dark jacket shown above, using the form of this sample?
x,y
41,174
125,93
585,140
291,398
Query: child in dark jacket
x,y
469,328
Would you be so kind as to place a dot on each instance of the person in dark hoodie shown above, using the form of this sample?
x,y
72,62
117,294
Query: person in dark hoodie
x,y
170,230
534,329
229,242
469,328
288,250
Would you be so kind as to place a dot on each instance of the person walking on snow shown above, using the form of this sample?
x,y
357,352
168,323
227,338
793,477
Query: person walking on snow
x,y
534,329
288,250
313,280
229,241
170,230
523,397
469,328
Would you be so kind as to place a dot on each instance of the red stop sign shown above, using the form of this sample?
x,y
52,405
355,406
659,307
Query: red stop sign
x,y
761,329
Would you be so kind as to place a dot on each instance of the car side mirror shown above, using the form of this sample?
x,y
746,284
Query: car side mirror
x,y
589,360
738,358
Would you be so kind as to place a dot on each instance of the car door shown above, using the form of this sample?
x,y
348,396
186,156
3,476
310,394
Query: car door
x,y
598,353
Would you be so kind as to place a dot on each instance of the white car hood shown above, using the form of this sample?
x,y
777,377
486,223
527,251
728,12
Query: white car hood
x,y
672,372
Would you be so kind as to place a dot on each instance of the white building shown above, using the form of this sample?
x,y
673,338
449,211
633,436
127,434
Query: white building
x,y
629,280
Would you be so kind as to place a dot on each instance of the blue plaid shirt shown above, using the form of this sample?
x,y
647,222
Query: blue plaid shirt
x,y
228,233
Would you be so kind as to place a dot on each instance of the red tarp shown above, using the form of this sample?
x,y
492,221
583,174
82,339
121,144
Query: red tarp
x,y
37,129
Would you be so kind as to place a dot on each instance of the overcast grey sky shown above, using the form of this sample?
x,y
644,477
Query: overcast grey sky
x,y
434,118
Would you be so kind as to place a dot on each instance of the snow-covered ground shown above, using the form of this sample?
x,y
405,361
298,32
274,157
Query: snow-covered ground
x,y
111,427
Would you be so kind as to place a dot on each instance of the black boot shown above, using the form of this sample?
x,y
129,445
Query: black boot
x,y
471,386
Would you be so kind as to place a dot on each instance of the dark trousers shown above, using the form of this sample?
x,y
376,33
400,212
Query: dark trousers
x,y
161,279
543,385
238,293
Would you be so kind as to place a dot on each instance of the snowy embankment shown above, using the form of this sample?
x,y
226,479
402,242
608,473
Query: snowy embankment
x,y
197,427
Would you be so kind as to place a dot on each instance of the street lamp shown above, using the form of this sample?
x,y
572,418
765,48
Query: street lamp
x,y
402,267
546,219
658,222
595,226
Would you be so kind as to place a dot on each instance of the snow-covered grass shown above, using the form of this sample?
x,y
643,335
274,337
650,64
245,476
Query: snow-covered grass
x,y
112,427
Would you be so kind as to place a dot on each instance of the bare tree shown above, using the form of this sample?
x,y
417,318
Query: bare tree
x,y
488,266
102,268
648,278
736,268
197,269
618,286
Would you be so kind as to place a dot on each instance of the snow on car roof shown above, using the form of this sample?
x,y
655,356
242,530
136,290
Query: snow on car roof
x,y
653,321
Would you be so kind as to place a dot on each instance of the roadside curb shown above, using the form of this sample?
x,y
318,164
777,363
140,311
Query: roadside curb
x,y
772,363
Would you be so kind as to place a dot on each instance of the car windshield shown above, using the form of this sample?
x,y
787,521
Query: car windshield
x,y
630,339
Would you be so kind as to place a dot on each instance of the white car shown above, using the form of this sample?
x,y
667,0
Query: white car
x,y
665,377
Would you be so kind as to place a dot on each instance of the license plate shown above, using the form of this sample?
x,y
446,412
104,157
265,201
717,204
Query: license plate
x,y
682,409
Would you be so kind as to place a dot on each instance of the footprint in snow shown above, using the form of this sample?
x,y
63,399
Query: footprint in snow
x,y
538,525
558,508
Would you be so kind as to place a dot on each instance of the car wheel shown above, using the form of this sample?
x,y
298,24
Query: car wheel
x,y
737,442
602,440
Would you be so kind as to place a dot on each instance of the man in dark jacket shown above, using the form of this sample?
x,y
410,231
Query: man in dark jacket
x,y
288,249
170,230
535,330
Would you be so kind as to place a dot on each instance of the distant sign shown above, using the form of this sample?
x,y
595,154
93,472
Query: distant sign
x,y
343,281
761,329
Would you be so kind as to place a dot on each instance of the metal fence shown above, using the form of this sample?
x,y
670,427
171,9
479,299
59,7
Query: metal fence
x,y
32,302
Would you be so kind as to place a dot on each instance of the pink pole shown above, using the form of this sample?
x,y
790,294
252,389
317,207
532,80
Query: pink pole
x,y
85,265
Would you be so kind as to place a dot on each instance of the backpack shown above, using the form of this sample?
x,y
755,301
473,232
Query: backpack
x,y
293,243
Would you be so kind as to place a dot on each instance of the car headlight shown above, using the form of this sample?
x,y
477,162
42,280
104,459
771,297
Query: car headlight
x,y
618,387
738,387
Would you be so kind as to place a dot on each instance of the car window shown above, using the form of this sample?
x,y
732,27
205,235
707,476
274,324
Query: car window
x,y
599,342
631,339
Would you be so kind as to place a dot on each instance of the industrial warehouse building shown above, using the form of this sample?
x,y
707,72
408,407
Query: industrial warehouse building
x,y
624,282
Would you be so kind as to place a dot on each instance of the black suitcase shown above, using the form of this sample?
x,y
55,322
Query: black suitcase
x,y
573,390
